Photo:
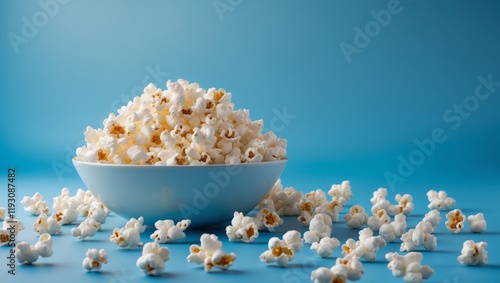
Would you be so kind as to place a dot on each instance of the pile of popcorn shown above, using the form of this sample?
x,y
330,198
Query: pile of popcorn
x,y
181,125
313,209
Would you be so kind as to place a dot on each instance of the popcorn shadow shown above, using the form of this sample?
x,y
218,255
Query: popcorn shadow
x,y
478,234
228,271
294,265
99,273
40,265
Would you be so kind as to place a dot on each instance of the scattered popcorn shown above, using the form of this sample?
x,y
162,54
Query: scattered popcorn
x,y
433,218
393,230
477,223
367,246
320,227
356,217
325,246
130,234
283,251
242,228
182,125
35,204
378,219
4,237
94,259
98,211
341,193
474,253
2,213
87,228
325,275
152,261
67,216
29,254
455,222
66,206
405,204
331,209
168,231
210,253
317,197
440,200
309,203
45,224
379,195
268,218
409,267
421,235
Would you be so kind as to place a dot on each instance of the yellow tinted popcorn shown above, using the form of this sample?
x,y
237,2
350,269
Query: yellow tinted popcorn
x,y
181,125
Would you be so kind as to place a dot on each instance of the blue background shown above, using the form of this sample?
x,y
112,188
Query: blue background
x,y
349,118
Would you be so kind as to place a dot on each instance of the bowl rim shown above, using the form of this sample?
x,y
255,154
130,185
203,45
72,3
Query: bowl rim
x,y
74,160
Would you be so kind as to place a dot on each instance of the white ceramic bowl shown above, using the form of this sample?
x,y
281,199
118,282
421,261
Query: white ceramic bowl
x,y
207,195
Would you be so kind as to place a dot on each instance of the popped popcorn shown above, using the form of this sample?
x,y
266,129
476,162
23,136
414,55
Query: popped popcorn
x,y
477,224
45,224
393,230
341,192
66,207
367,246
325,246
87,228
130,234
378,219
94,259
98,211
320,227
168,231
2,213
455,222
331,209
210,253
309,203
268,218
14,225
356,217
347,268
242,228
379,195
283,251
421,235
4,237
152,261
182,125
35,204
473,253
440,200
405,204
433,218
29,254
409,267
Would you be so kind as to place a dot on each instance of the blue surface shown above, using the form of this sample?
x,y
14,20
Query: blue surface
x,y
361,117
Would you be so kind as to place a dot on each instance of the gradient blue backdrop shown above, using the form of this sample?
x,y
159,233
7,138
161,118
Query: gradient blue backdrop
x,y
351,118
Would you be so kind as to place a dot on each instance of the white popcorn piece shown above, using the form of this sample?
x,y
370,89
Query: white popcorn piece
x,y
316,197
45,224
477,224
267,219
351,264
409,267
152,261
87,228
341,192
421,235
242,228
94,259
325,275
455,222
356,217
137,224
433,218
379,195
325,246
35,204
98,212
283,251
367,246
168,231
320,227
405,204
2,213
130,234
473,253
378,219
331,209
305,218
13,225
210,253
27,254
440,200
393,230
67,216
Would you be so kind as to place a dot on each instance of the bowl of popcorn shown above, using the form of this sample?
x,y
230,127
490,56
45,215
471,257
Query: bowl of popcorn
x,y
180,153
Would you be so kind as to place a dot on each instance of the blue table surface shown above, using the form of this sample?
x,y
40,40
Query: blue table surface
x,y
65,264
